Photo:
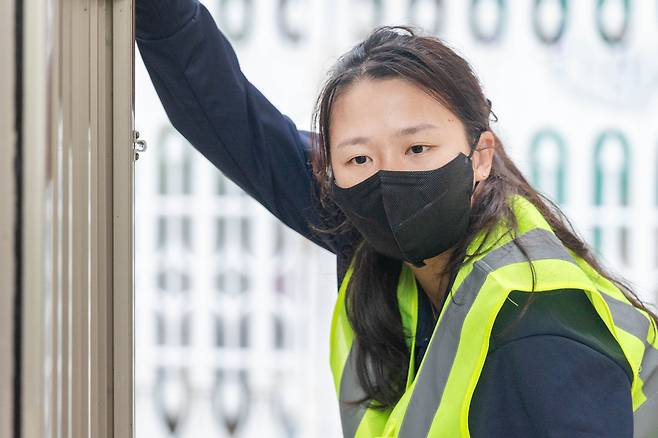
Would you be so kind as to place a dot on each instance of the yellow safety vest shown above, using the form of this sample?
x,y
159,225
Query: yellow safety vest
x,y
437,399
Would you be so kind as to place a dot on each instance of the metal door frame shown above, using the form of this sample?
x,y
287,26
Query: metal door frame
x,y
77,219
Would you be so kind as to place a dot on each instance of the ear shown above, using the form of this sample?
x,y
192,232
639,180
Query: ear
x,y
483,156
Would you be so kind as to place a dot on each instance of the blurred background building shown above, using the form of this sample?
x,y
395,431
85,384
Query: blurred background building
x,y
233,308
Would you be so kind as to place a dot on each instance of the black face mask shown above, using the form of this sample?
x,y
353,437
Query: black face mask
x,y
411,215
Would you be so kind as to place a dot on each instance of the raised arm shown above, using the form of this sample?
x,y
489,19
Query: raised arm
x,y
208,99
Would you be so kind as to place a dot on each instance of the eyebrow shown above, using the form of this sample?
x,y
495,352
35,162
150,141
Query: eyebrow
x,y
402,132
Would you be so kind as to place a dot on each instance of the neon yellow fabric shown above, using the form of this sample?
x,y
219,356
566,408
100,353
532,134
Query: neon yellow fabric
x,y
450,417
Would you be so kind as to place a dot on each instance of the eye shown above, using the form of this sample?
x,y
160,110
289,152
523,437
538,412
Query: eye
x,y
417,149
359,160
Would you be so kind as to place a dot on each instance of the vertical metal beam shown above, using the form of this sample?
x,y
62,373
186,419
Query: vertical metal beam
x,y
101,231
7,214
35,292
123,116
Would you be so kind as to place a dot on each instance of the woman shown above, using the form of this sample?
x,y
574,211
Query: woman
x,y
408,185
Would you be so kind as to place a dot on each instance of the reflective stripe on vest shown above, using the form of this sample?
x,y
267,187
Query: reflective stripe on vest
x,y
437,399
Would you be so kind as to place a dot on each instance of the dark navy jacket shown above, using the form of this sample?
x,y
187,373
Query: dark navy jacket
x,y
558,373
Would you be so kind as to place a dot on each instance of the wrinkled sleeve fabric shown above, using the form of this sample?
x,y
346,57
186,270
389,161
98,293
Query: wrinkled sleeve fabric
x,y
551,386
208,99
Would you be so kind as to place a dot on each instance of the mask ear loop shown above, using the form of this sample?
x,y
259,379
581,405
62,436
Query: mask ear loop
x,y
475,144
473,149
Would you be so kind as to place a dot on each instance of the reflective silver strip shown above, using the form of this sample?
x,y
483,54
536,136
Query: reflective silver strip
x,y
645,420
350,415
630,320
649,372
539,244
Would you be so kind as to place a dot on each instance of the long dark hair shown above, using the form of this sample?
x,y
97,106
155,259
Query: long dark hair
x,y
371,300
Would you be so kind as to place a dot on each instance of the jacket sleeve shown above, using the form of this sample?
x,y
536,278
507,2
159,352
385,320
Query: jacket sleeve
x,y
207,98
551,386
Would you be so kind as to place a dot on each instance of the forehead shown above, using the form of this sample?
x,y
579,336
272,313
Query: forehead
x,y
377,106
